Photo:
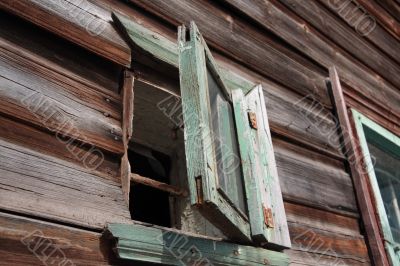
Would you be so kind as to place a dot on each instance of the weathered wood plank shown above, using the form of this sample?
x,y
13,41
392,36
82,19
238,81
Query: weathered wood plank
x,y
339,32
87,157
41,96
320,237
314,241
41,185
83,23
392,7
127,127
385,19
314,180
49,50
286,108
379,36
240,40
354,154
298,33
25,241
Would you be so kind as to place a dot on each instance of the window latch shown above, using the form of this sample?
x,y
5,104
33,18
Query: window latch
x,y
252,119
268,217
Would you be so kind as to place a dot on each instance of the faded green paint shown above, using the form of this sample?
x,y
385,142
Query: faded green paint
x,y
167,50
170,247
194,60
195,57
373,128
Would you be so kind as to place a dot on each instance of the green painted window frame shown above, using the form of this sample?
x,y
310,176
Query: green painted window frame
x,y
165,50
361,121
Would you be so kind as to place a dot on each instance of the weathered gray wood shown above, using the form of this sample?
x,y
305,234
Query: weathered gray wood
x,y
45,98
312,179
40,185
296,32
27,241
103,165
62,56
344,37
173,190
82,22
286,108
240,40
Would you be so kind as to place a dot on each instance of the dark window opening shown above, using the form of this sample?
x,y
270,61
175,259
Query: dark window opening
x,y
147,204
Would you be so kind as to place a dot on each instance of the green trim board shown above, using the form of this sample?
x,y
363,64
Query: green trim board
x,y
367,129
167,51
164,246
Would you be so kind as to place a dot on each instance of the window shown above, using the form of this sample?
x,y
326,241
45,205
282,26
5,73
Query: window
x,y
381,153
231,167
230,174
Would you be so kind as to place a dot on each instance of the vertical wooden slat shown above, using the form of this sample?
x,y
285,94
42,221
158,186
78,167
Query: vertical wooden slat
x,y
127,118
353,150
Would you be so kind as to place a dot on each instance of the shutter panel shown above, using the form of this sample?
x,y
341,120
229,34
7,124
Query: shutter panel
x,y
195,65
266,210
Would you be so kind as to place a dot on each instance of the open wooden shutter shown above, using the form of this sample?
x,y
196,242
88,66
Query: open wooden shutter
x,y
264,220
266,210
195,65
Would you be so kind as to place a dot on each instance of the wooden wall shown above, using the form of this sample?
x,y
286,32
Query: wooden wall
x,y
285,45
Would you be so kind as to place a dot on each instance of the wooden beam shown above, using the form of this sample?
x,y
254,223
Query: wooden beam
x,y
153,244
353,150
173,190
127,124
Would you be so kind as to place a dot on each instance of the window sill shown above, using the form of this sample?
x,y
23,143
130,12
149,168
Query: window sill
x,y
165,246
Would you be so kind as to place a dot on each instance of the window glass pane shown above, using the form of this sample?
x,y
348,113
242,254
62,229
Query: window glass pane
x,y
225,145
387,171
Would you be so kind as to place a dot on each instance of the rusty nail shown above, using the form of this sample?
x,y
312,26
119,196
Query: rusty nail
x,y
108,100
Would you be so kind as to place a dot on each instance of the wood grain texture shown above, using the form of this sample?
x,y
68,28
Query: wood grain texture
x,y
243,42
194,61
320,237
287,109
84,23
379,36
172,247
84,156
353,152
60,55
127,127
46,98
20,235
36,184
313,180
299,34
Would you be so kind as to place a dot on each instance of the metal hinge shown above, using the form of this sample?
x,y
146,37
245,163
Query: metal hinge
x,y
199,189
252,119
268,217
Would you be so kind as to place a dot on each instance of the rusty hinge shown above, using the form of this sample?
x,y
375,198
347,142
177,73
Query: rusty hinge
x,y
268,217
252,119
199,189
